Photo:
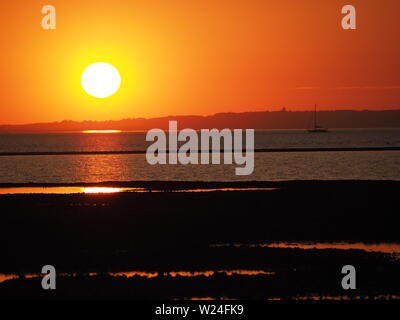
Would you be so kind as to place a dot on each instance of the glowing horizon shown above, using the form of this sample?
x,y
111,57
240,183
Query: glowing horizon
x,y
101,131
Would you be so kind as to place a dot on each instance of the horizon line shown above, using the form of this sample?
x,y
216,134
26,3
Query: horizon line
x,y
283,109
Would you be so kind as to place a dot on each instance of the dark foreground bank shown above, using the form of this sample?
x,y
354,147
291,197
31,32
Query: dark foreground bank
x,y
184,245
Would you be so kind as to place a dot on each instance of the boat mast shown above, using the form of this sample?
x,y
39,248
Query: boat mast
x,y
315,115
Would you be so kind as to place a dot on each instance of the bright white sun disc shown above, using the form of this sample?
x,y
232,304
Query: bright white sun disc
x,y
100,80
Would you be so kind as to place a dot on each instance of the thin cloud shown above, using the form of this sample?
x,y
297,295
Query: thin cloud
x,y
368,88
395,87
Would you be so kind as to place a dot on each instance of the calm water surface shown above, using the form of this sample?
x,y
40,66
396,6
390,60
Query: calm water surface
x,y
277,166
136,141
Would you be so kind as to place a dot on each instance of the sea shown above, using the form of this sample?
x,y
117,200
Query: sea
x,y
28,164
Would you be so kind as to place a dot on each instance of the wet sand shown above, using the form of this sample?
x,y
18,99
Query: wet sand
x,y
181,237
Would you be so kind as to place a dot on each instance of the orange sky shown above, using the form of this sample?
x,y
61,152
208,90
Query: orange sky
x,y
197,57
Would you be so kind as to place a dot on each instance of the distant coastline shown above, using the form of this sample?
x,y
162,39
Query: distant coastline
x,y
257,120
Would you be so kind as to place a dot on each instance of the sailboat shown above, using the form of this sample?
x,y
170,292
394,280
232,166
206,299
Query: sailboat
x,y
316,127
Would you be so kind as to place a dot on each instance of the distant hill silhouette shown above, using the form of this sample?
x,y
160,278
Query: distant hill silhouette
x,y
257,120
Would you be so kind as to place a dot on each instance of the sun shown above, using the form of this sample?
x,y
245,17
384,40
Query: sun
x,y
100,80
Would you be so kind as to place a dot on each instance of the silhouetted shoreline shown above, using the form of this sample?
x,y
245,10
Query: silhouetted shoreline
x,y
168,232
283,119
182,185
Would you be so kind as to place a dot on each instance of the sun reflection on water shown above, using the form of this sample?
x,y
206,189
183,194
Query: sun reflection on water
x,y
101,131
91,190
68,190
